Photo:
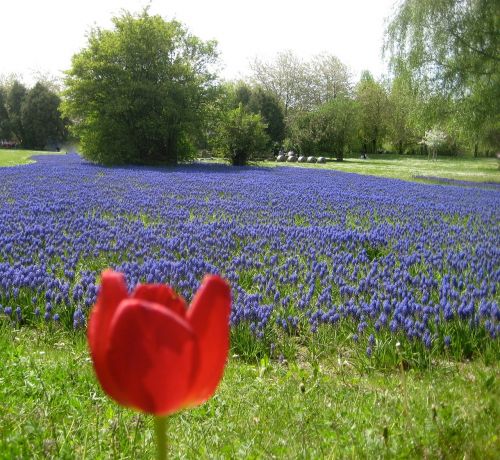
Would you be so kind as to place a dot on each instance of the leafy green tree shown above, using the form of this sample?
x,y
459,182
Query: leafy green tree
x,y
240,136
338,119
16,93
5,132
41,119
452,48
240,93
256,99
404,115
372,100
329,129
269,107
138,93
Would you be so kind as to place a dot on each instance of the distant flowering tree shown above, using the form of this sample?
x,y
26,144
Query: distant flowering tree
x,y
433,139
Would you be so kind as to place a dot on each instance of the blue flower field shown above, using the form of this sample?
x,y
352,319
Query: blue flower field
x,y
312,256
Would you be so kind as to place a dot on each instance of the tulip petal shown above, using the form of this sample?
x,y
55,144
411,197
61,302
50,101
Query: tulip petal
x,y
152,355
208,316
161,294
112,291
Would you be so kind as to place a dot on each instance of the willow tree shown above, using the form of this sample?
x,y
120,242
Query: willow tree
x,y
372,99
136,93
452,49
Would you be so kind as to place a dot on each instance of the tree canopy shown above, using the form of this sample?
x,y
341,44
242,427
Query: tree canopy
x,y
240,135
451,48
40,117
136,94
373,104
302,85
257,100
30,116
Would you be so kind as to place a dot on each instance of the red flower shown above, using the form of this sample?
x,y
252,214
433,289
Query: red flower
x,y
152,354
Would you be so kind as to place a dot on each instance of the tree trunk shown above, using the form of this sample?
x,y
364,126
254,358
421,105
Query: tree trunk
x,y
239,158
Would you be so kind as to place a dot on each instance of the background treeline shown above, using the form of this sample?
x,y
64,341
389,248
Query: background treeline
x,y
30,117
147,92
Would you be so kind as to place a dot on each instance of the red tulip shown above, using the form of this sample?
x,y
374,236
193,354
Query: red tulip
x,y
153,354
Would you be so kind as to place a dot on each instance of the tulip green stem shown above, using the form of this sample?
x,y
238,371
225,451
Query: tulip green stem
x,y
161,437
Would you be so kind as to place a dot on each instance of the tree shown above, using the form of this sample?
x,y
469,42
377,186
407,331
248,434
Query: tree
x,y
329,77
16,93
300,85
373,108
257,100
404,117
5,132
41,119
269,107
137,93
286,78
452,47
433,139
240,136
328,129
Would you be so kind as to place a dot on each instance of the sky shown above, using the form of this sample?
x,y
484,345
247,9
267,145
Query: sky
x,y
39,37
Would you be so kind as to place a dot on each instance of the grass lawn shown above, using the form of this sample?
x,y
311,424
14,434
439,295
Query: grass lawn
x,y
407,167
385,165
9,157
51,406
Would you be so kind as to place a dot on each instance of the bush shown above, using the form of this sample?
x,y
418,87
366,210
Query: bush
x,y
240,136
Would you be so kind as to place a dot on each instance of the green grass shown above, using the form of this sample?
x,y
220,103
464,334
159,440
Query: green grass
x,y
387,165
10,157
52,407
407,167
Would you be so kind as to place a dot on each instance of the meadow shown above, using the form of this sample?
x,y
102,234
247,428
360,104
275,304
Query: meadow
x,y
417,167
365,319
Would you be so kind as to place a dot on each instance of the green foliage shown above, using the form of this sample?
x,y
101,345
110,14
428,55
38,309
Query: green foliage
x,y
257,100
40,117
451,49
240,136
329,129
16,92
5,131
373,104
31,116
329,78
137,93
404,115
267,105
